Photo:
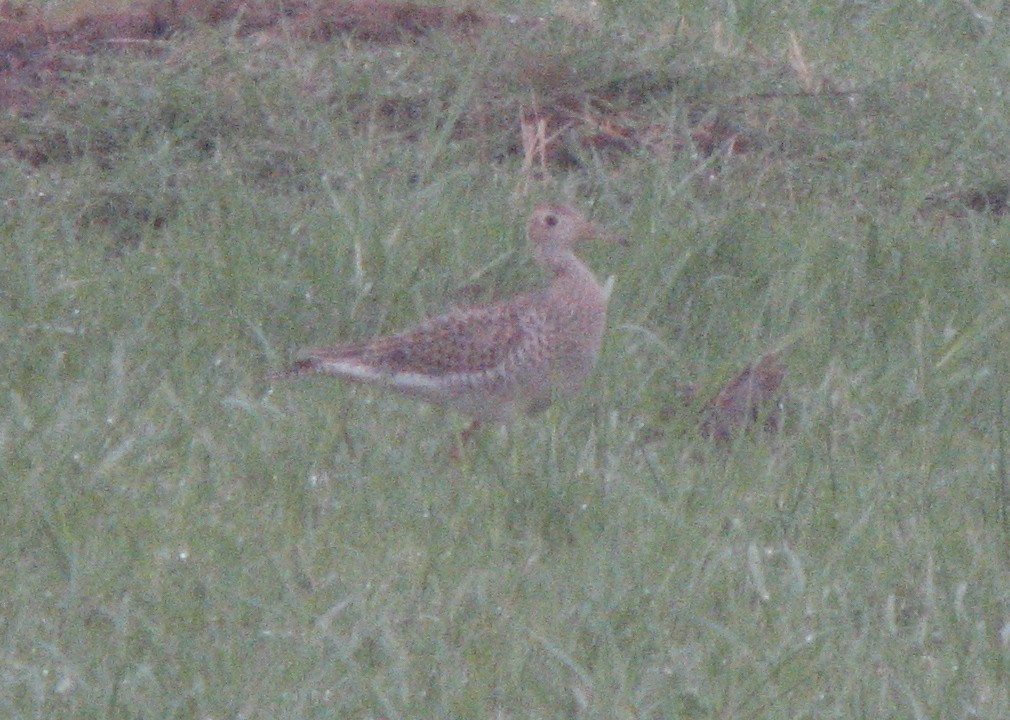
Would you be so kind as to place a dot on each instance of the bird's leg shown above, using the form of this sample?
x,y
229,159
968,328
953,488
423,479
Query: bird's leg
x,y
464,439
467,435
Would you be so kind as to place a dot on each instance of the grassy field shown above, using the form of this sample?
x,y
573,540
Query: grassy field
x,y
179,539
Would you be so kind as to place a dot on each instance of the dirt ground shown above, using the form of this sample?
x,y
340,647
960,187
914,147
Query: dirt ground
x,y
35,48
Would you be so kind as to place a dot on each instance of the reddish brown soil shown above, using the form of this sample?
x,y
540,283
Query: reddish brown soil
x,y
35,49
992,200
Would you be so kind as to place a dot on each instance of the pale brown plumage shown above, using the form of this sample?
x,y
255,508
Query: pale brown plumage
x,y
491,361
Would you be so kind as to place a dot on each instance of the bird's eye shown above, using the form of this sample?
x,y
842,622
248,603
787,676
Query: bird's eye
x,y
551,220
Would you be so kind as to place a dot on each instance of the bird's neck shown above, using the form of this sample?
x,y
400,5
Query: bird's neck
x,y
567,269
562,263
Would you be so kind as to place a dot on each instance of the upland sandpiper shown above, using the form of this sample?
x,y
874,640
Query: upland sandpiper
x,y
491,361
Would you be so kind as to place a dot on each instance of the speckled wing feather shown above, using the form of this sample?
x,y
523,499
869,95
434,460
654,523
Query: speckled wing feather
x,y
450,348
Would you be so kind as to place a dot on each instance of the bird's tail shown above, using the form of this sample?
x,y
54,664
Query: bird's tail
x,y
308,366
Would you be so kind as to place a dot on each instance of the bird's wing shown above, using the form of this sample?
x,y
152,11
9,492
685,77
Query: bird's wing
x,y
469,342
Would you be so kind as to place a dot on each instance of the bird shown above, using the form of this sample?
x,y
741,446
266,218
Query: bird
x,y
492,362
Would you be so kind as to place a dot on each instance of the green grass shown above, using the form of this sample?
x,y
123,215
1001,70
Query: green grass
x,y
180,540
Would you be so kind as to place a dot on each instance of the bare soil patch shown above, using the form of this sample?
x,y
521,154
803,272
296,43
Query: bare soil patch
x,y
35,49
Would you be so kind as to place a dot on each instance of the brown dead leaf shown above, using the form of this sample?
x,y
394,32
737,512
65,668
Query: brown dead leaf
x,y
751,396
